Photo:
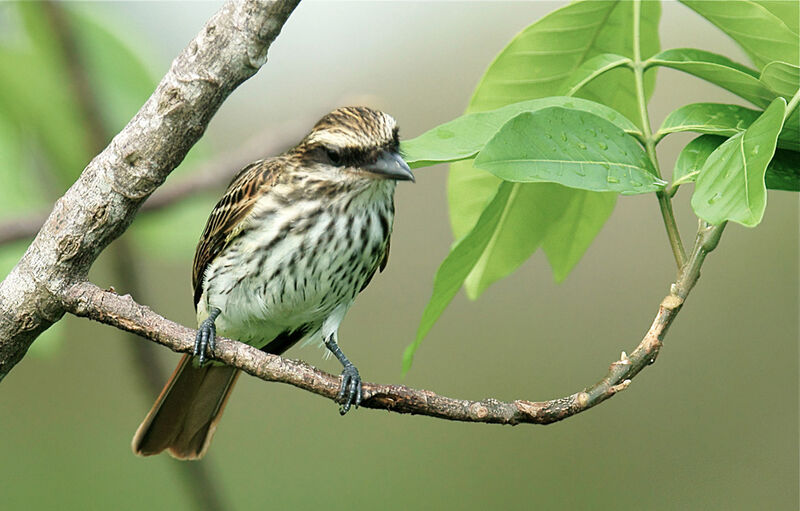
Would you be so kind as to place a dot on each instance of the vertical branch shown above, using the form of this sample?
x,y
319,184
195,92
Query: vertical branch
x,y
664,201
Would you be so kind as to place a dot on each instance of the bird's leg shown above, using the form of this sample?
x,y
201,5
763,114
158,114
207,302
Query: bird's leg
x,y
350,391
206,336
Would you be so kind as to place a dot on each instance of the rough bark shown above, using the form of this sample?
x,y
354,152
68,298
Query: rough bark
x,y
101,204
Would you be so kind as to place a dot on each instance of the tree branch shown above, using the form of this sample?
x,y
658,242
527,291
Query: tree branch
x,y
103,201
209,176
87,300
201,487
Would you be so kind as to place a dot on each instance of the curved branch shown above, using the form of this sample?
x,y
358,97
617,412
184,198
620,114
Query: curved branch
x,y
103,201
87,300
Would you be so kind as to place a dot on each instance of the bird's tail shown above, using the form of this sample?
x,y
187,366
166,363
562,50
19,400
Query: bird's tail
x,y
185,415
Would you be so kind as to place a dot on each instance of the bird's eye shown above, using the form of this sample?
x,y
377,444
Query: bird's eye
x,y
334,156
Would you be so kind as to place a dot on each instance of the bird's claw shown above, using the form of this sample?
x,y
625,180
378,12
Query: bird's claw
x,y
206,339
350,391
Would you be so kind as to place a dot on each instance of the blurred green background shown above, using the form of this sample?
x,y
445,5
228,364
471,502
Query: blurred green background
x,y
712,425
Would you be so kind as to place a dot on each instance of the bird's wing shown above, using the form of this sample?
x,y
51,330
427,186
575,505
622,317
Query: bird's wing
x,y
225,221
381,266
385,259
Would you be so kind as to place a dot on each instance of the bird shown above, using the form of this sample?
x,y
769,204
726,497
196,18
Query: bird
x,y
282,257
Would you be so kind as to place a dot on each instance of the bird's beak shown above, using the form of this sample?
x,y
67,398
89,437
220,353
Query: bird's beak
x,y
391,166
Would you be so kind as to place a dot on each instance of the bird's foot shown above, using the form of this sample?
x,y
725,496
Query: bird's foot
x,y
350,391
206,338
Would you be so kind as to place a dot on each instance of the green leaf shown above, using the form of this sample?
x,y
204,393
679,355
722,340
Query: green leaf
x,y
790,134
783,171
788,11
464,136
730,185
540,58
572,148
457,265
718,70
590,70
693,156
721,119
537,63
584,215
762,35
716,118
469,190
551,205
528,214
781,77
616,88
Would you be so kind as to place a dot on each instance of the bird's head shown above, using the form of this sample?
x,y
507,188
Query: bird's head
x,y
357,142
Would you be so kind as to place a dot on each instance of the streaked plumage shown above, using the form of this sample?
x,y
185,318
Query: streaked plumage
x,y
284,253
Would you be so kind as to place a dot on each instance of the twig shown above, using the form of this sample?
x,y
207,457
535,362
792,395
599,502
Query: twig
x,y
87,300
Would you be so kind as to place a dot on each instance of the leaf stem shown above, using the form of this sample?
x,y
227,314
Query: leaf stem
x,y
792,105
706,240
664,200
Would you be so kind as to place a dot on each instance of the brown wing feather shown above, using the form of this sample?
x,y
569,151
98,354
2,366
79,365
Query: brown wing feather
x,y
232,208
381,266
385,259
